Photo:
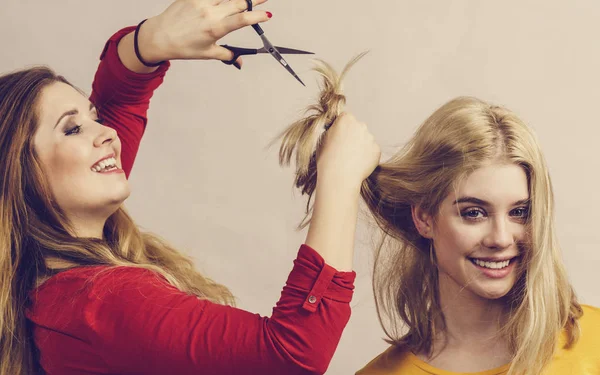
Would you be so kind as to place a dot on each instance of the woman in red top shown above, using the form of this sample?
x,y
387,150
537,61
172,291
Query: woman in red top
x,y
84,292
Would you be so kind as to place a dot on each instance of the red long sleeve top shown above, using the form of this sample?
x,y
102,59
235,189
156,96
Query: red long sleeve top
x,y
125,320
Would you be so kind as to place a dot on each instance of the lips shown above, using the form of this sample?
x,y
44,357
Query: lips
x,y
493,262
495,269
102,159
494,259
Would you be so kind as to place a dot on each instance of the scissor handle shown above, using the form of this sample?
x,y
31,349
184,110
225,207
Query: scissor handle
x,y
237,52
256,26
258,29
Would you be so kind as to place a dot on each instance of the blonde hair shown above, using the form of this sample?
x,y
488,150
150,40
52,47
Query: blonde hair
x,y
459,137
302,139
33,229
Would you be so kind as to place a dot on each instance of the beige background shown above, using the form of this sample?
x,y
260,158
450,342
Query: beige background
x,y
205,181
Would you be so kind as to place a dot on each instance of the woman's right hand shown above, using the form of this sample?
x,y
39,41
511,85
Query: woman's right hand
x,y
349,153
190,29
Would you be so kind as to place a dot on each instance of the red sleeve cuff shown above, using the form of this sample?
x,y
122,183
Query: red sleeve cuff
x,y
115,63
317,280
115,83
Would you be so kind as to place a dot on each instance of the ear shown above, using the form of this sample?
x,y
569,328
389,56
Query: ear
x,y
423,222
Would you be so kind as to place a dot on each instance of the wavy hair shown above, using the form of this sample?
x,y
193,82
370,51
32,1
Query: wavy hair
x,y
34,230
459,137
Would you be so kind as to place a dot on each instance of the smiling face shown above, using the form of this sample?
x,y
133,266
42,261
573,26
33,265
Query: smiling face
x,y
70,142
478,232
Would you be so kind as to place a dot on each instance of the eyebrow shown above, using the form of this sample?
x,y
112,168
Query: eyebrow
x,y
71,113
481,202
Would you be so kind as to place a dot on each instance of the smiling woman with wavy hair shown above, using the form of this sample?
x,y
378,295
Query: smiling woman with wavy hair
x,y
84,291
468,277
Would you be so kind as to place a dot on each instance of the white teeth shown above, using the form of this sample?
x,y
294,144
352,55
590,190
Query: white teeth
x,y
106,164
492,265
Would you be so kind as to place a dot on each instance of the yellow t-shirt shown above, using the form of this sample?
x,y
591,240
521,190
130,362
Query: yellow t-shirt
x,y
582,359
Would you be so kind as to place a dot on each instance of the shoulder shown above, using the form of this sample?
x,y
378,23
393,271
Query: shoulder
x,y
583,357
390,361
90,278
589,332
590,312
589,324
80,286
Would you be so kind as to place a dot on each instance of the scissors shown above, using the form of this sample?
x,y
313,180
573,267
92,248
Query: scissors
x,y
267,48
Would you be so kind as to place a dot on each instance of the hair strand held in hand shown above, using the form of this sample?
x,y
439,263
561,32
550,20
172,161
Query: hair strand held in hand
x,y
302,139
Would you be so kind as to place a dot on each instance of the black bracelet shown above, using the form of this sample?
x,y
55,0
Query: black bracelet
x,y
137,49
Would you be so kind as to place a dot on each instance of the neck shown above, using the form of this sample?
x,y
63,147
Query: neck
x,y
88,226
471,320
471,340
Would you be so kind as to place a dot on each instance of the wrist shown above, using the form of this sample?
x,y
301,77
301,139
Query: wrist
x,y
338,185
337,190
150,44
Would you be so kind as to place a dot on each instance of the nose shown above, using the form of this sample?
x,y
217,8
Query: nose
x,y
106,135
500,234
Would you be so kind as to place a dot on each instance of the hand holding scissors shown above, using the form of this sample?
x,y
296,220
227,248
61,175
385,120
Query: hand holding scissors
x,y
190,29
268,47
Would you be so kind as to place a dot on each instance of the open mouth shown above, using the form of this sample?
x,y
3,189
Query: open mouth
x,y
106,165
493,265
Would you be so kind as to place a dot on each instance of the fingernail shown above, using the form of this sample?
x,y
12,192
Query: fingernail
x,y
269,14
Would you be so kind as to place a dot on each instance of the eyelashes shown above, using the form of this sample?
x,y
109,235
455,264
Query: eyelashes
x,y
78,128
477,214
525,211
74,130
472,213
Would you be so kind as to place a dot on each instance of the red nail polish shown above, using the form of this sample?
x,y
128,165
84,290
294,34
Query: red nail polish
x,y
269,14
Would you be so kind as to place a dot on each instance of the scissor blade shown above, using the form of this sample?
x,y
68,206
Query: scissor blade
x,y
285,51
291,51
288,67
273,51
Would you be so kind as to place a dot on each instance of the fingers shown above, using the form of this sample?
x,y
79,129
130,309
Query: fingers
x,y
223,54
347,123
344,118
349,152
239,20
238,63
232,7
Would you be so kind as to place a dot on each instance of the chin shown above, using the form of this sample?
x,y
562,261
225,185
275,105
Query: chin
x,y
119,200
121,194
113,203
493,293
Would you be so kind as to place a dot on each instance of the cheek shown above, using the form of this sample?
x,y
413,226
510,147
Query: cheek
x,y
65,162
456,238
522,233
523,238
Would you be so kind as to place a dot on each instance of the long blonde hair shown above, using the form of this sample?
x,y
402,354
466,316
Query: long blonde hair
x,y
456,139
33,229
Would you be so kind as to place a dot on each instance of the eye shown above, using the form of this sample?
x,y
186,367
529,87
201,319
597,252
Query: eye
x,y
521,212
74,130
473,214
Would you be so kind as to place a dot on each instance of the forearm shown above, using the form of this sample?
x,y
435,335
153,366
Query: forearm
x,y
333,224
161,330
122,96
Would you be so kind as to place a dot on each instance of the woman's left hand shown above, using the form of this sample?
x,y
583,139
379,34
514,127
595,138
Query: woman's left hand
x,y
190,29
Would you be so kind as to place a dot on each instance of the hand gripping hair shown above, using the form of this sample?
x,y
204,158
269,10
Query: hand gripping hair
x,y
302,140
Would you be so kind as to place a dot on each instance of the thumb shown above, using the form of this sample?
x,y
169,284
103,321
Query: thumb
x,y
221,53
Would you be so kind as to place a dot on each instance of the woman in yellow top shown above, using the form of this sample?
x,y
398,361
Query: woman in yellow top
x,y
468,278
